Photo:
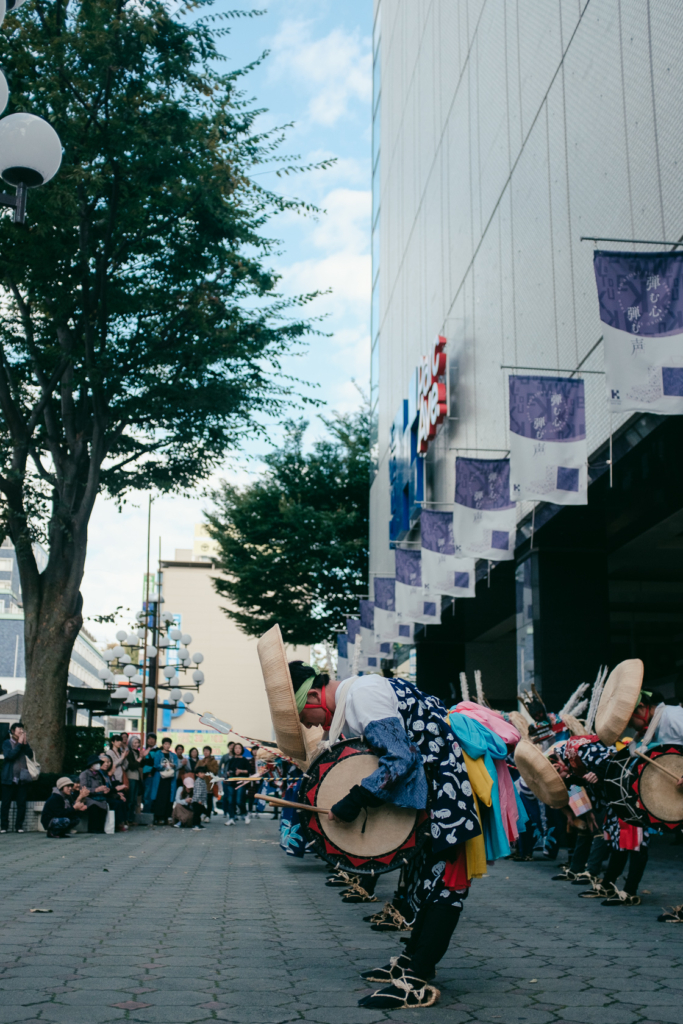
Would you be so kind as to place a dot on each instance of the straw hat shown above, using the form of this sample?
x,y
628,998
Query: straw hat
x,y
575,727
385,828
520,723
659,794
619,700
289,732
540,776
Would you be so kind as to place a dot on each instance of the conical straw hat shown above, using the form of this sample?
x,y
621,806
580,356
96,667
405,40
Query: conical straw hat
x,y
289,733
540,776
520,723
619,700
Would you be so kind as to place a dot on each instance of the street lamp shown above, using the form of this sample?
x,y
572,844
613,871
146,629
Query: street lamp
x,y
30,155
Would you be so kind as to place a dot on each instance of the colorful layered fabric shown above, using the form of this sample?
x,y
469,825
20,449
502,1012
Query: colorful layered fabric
x,y
480,743
482,785
491,719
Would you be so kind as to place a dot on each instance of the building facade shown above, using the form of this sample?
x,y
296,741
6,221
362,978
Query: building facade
x,y
502,134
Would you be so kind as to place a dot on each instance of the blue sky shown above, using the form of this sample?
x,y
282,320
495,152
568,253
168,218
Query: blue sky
x,y
317,75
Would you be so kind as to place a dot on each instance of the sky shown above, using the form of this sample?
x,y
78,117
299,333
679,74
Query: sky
x,y
317,75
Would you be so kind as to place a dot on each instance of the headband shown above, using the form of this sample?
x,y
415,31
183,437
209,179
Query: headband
x,y
302,693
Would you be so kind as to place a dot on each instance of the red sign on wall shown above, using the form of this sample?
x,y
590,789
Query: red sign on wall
x,y
431,393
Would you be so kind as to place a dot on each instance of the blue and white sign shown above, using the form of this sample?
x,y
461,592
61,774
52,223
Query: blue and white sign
x,y
641,308
442,571
485,517
548,454
412,604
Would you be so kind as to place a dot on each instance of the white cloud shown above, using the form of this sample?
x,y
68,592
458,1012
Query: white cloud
x,y
336,69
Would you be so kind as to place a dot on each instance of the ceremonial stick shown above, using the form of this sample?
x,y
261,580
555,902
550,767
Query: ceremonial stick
x,y
661,767
290,803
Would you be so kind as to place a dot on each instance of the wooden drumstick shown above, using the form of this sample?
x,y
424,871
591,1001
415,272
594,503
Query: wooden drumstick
x,y
661,767
290,803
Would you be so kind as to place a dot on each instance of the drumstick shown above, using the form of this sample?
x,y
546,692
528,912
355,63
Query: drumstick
x,y
661,767
290,803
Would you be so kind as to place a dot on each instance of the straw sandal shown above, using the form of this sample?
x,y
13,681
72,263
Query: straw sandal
x,y
396,968
619,898
406,992
673,916
340,880
583,878
596,891
565,875
391,920
380,915
357,894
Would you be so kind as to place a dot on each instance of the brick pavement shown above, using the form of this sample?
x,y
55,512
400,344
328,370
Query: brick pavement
x,y
189,927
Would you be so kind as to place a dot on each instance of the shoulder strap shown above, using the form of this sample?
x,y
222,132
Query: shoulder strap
x,y
340,709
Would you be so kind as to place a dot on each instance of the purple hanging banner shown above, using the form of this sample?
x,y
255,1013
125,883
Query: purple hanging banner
x,y
548,454
368,645
442,571
484,517
641,308
412,604
343,667
385,617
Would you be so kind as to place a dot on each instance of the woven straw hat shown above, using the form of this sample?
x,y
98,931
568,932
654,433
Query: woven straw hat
x,y
289,732
619,700
540,776
387,826
658,793
520,723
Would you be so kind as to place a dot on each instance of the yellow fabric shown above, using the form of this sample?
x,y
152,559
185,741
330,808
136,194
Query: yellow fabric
x,y
482,784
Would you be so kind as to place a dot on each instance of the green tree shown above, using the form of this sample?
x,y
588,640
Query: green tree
x,y
141,330
294,544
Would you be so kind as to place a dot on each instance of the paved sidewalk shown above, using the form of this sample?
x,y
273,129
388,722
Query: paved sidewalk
x,y
176,927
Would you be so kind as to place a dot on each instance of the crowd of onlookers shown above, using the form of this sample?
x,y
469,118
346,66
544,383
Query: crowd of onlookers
x,y
176,788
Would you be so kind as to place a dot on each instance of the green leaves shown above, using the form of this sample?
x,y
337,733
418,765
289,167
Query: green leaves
x,y
294,544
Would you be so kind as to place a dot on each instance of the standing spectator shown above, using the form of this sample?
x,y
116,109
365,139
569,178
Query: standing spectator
x,y
118,752
199,799
134,772
164,767
238,765
223,772
95,787
182,805
209,762
125,736
148,770
192,759
60,812
183,764
117,796
15,776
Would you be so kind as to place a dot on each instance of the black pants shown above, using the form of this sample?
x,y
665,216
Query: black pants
x,y
197,811
15,791
97,818
430,937
636,868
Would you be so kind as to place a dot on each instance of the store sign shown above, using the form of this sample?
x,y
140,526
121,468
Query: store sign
x,y
431,393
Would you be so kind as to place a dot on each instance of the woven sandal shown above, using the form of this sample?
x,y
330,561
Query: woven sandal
x,y
619,898
394,921
340,880
596,891
565,875
381,915
583,878
357,894
673,916
396,968
404,993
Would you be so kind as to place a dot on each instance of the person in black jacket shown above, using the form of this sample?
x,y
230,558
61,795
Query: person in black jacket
x,y
15,775
61,810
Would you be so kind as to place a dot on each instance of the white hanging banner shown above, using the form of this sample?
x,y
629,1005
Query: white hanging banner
x,y
412,604
385,617
343,667
548,453
641,308
484,517
442,571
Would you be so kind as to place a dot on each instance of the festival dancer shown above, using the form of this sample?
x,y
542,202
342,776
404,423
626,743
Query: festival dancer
x,y
409,731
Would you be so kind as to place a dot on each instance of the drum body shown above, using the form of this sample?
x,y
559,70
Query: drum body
x,y
620,774
381,838
660,797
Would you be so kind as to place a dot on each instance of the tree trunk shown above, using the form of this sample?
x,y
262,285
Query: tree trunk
x,y
49,642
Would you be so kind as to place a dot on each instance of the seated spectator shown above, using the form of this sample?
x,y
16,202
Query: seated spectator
x,y
61,810
182,805
95,787
117,798
199,798
15,775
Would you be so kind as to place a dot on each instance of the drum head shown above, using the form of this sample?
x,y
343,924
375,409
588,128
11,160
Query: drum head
x,y
619,700
540,776
659,795
381,838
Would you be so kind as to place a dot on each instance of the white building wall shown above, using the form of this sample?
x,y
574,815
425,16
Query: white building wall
x,y
508,130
